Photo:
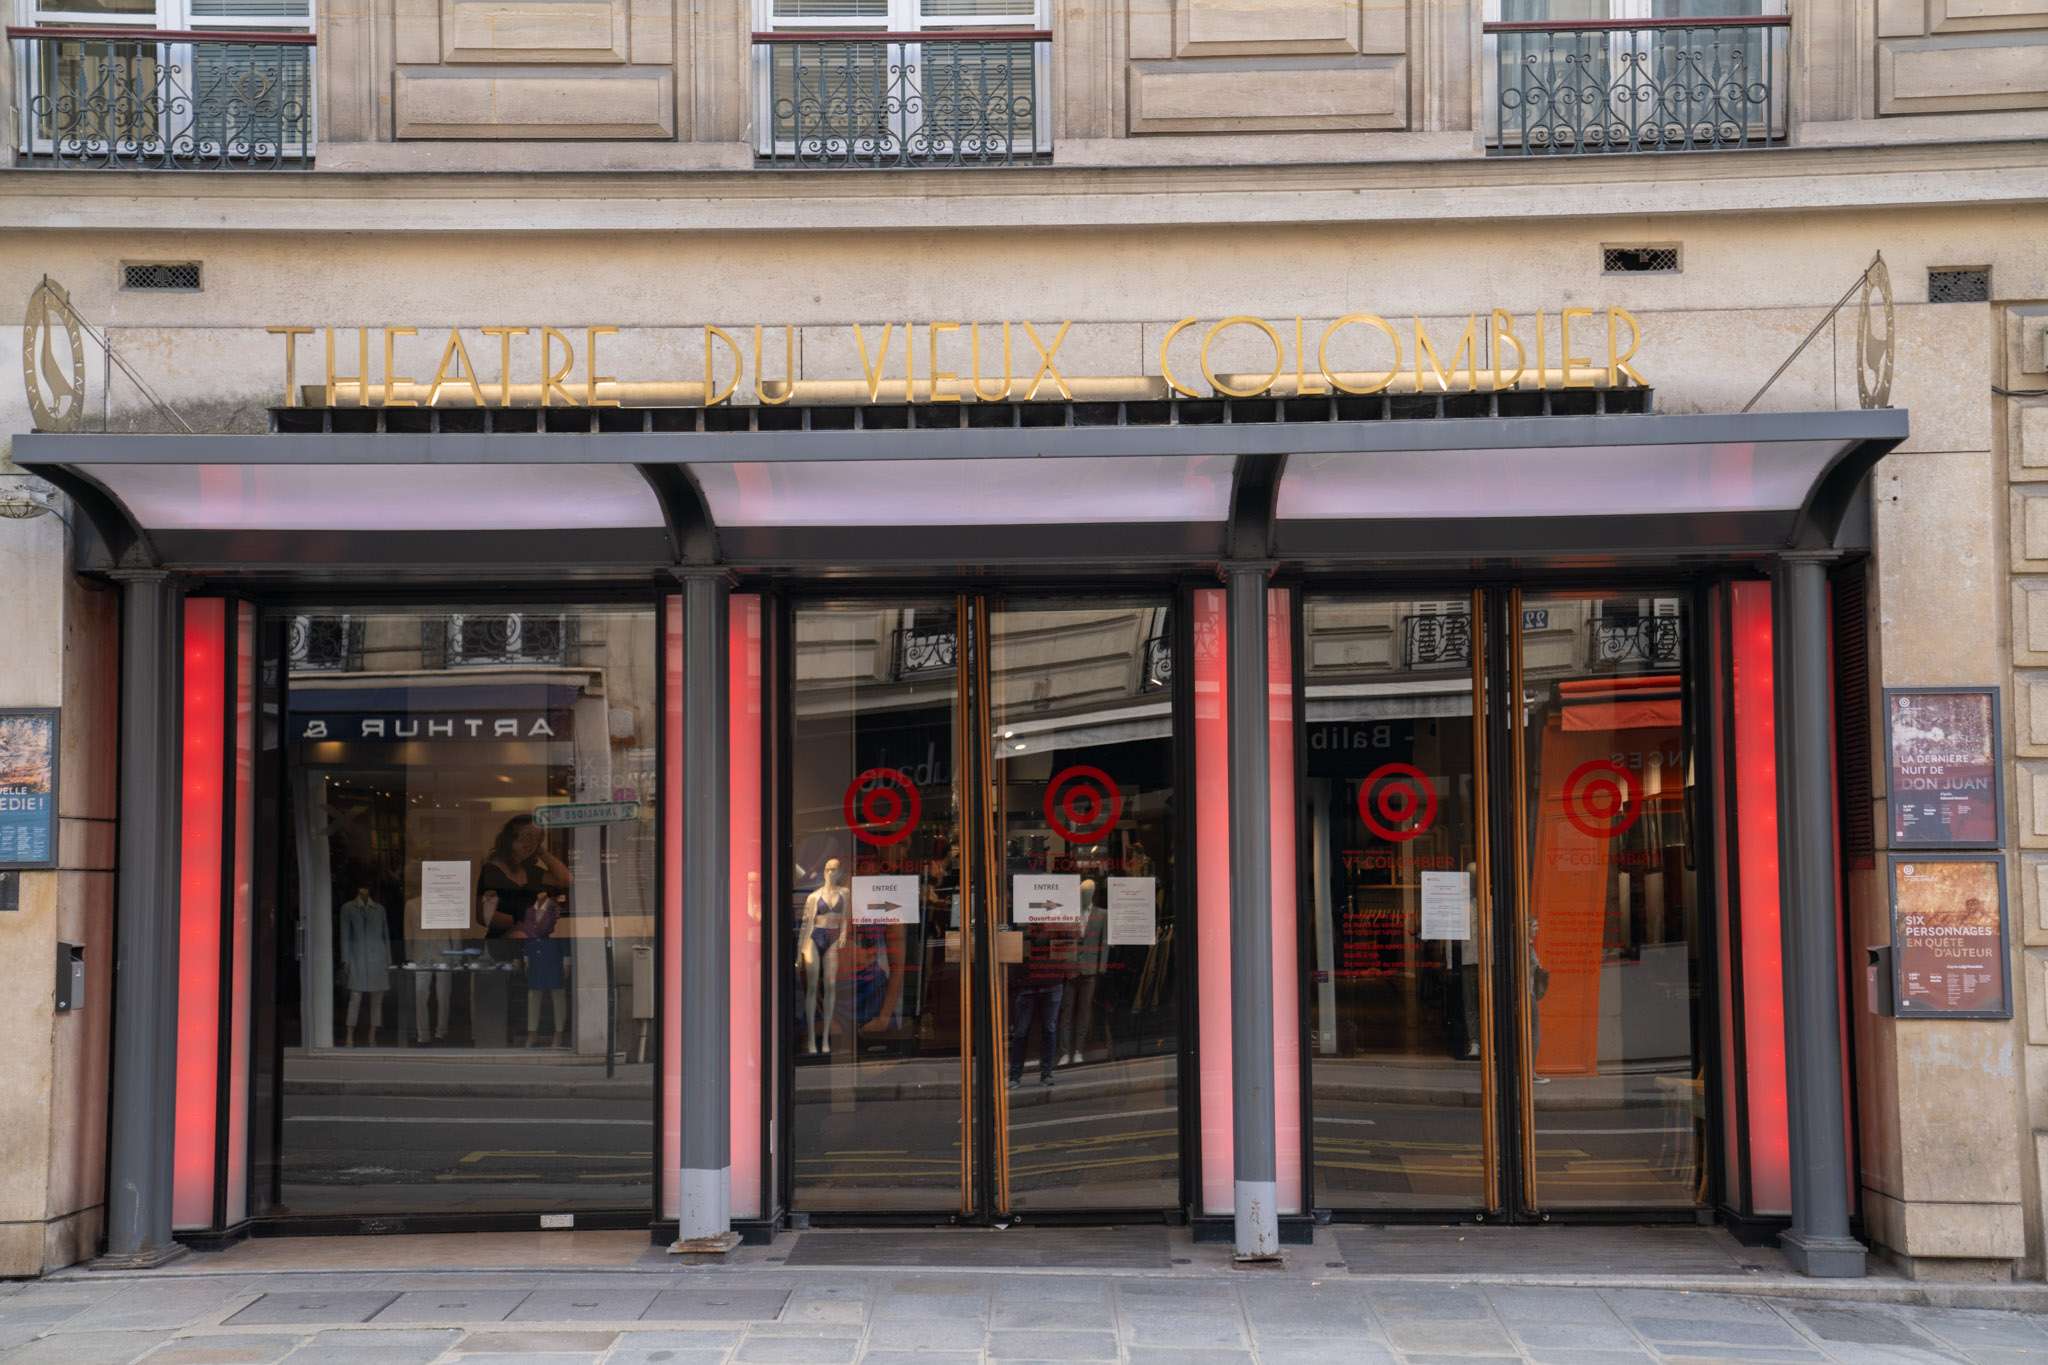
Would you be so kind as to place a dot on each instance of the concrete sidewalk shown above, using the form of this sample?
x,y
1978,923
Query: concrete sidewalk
x,y
295,1301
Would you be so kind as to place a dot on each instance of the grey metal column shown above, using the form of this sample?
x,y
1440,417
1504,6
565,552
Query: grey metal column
x,y
145,1005
705,1181
1251,917
1818,1242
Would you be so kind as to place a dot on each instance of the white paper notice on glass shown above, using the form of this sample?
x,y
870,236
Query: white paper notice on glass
x,y
444,895
885,900
1045,897
1447,905
1133,919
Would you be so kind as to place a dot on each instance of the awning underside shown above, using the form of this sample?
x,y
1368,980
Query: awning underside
x,y
556,504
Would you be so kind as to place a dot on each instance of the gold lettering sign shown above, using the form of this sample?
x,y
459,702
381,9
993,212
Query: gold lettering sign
x,y
1358,353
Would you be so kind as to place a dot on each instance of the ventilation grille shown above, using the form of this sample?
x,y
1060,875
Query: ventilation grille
x,y
1639,260
950,416
1959,286
1852,716
173,275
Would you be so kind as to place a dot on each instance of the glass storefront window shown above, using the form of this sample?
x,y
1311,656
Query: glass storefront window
x,y
465,992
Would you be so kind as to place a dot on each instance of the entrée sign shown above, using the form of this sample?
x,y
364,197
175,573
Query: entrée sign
x,y
1003,362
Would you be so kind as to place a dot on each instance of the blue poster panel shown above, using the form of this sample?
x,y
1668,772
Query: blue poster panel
x,y
28,788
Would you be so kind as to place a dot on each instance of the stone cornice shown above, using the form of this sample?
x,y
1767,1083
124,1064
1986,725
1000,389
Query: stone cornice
x,y
1465,188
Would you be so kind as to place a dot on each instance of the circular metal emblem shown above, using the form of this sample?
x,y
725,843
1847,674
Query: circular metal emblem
x,y
1874,341
56,388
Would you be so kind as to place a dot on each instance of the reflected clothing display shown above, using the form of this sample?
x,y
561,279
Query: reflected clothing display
x,y
534,909
365,946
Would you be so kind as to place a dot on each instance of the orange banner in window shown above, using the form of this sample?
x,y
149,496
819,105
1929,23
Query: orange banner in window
x,y
1591,793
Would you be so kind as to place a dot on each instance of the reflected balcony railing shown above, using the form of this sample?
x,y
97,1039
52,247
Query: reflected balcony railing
x,y
114,98
972,97
1636,85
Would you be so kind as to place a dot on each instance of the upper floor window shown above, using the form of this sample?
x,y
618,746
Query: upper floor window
x,y
901,82
165,83
1572,76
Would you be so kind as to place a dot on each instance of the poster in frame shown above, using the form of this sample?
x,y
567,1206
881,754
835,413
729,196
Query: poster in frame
x,y
1943,780
29,754
1949,936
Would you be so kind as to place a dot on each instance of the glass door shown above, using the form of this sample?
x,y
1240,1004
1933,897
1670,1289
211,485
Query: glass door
x,y
1612,1094
982,910
1402,1064
1491,769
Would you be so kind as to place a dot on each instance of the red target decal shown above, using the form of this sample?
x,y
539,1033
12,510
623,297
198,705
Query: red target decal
x,y
1083,804
1397,802
882,806
1602,799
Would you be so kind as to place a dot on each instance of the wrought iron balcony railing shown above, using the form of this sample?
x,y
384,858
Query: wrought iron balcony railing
x,y
114,98
1637,85
971,97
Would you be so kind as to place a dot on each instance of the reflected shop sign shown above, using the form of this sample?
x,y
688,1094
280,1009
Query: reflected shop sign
x,y
934,362
411,725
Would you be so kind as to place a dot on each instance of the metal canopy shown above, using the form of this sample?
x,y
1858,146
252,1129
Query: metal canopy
x,y
1367,494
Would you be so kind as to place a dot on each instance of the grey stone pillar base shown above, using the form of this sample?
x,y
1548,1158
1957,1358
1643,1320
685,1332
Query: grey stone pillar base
x,y
718,1244
1824,1258
148,1258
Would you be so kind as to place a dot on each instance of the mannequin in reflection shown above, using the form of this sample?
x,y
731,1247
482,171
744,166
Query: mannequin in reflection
x,y
1077,1001
365,961
518,899
819,936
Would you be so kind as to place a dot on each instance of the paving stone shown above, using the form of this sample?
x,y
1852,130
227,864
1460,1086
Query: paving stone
x,y
1573,1355
1157,1328
1982,1327
373,1347
797,1350
1866,1353
169,1304
1428,1301
313,1308
874,1357
1590,1336
581,1305
1675,1303
223,1349
1304,1351
1761,1355
85,1348
1052,1289
896,1306
1170,1355
1051,1345
451,1305
504,1341
722,1305
932,1334
1715,1332
531,1358
1459,1358
668,1355
37,1317
1081,1315
1308,1310
680,1339
1867,1326
1516,1305
1481,1337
